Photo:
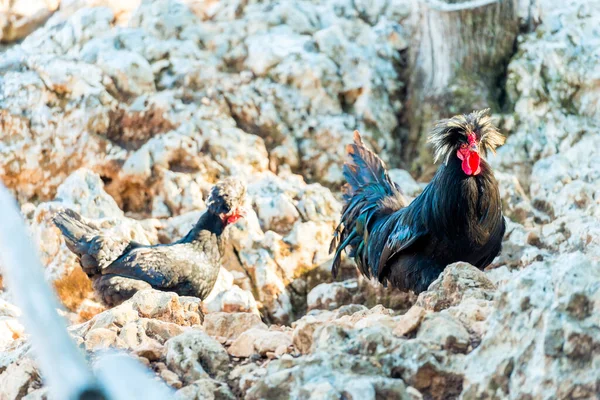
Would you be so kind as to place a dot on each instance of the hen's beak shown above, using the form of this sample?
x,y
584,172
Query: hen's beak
x,y
235,215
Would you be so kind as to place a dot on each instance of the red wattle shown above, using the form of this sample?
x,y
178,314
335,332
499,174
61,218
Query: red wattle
x,y
474,163
233,218
465,166
470,163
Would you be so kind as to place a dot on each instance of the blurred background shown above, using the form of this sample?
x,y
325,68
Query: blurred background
x,y
129,111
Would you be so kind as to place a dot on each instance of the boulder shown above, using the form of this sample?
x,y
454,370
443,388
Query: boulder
x,y
194,355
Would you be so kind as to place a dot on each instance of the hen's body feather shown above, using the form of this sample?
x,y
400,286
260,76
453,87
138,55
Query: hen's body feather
x,y
456,218
188,267
119,267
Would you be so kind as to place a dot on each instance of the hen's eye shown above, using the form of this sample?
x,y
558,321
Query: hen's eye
x,y
463,146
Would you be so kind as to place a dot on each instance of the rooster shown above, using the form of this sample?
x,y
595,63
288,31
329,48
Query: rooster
x,y
457,217
119,268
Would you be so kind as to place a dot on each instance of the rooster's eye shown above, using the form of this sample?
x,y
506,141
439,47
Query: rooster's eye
x,y
463,146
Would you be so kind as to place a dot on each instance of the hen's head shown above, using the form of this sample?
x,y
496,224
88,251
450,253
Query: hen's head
x,y
227,200
466,136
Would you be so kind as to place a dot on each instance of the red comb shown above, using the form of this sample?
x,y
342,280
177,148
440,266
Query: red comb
x,y
472,138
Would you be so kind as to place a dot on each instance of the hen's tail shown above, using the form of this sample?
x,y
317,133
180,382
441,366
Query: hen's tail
x,y
95,251
76,232
369,194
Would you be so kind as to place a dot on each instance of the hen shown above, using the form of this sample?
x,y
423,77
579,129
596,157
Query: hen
x,y
457,217
119,268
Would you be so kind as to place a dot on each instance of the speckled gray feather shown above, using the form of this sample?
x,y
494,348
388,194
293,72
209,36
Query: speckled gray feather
x,y
95,250
189,267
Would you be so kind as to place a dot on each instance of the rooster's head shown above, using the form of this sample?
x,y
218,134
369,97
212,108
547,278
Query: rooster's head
x,y
466,136
227,199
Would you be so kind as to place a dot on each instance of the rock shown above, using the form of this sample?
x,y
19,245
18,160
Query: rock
x,y
413,393
516,204
243,346
271,288
325,377
158,152
260,341
177,194
357,334
238,300
457,282
168,307
246,375
282,200
304,330
409,322
442,329
354,351
278,343
88,309
195,355
83,191
18,378
500,276
38,394
330,296
131,73
543,126
546,308
171,229
272,260
224,282
10,327
278,212
170,378
147,320
128,112
376,320
570,179
19,18
233,300
71,147
231,325
473,314
205,389
128,86
405,181
101,338
372,293
434,373
350,316
521,247
357,291
281,44
151,352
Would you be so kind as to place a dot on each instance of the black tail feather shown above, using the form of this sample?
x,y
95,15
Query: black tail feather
x,y
369,191
364,167
74,230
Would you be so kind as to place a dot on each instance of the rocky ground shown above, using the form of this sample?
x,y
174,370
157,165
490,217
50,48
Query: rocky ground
x,y
128,113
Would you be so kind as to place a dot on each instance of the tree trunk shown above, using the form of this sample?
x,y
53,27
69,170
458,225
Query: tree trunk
x,y
458,65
